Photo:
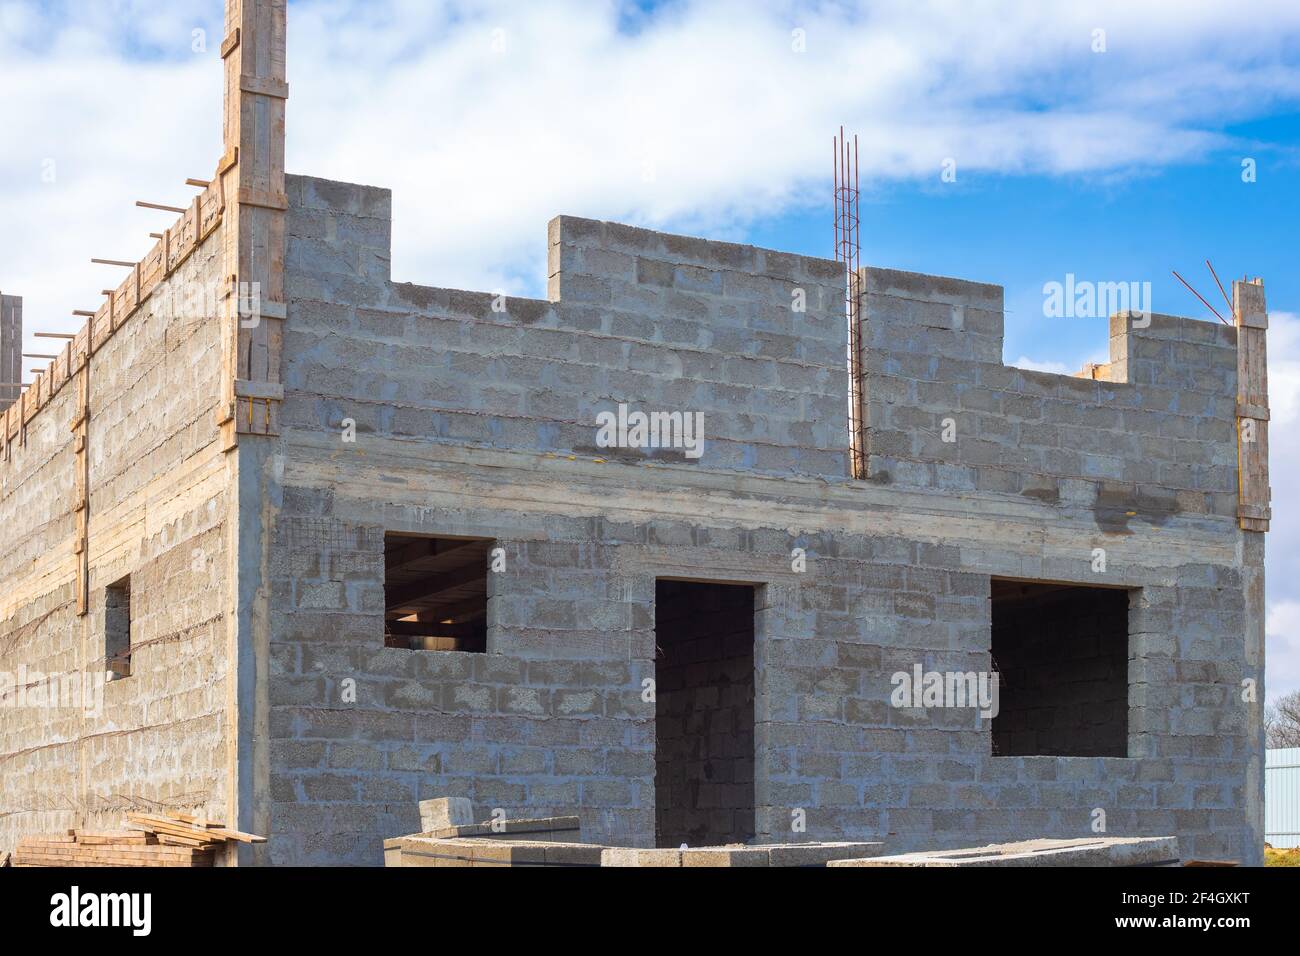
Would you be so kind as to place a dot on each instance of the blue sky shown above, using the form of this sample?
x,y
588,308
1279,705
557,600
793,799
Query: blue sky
x,y
713,117
1023,231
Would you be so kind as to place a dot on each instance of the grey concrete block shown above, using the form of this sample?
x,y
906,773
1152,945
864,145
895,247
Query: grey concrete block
x,y
445,812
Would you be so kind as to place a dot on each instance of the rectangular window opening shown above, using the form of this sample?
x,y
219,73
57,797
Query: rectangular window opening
x,y
1061,653
704,713
435,593
117,629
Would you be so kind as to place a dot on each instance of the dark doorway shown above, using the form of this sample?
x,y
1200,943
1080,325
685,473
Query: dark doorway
x,y
704,713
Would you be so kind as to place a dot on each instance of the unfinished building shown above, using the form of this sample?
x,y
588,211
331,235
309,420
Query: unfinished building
x,y
346,543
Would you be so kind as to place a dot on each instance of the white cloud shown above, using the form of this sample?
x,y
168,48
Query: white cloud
x,y
1282,663
1284,369
1057,368
700,118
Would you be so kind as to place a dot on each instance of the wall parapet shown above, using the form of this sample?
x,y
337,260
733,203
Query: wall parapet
x,y
1146,436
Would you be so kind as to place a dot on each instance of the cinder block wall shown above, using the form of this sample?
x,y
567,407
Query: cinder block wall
x,y
361,733
660,323
158,506
829,739
478,423
754,339
1155,438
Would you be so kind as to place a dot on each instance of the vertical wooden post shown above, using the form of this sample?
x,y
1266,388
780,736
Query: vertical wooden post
x,y
81,487
11,348
252,180
1254,494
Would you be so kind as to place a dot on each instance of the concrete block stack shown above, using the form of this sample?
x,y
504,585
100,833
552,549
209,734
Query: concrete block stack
x,y
1101,851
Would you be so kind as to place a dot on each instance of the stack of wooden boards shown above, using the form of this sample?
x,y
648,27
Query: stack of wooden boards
x,y
170,839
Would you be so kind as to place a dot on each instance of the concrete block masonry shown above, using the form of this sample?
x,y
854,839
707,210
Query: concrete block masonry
x,y
453,850
544,842
548,828
473,424
421,851
775,855
75,750
444,813
1153,851
478,424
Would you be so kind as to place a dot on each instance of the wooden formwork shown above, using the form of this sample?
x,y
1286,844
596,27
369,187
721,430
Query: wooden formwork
x,y
1254,505
252,174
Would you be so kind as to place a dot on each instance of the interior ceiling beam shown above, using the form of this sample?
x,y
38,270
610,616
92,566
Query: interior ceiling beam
x,y
432,629
461,611
428,589
421,548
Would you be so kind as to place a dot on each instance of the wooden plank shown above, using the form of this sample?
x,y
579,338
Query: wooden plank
x,y
36,856
1254,494
119,854
81,492
190,818
208,835
412,596
237,835
125,849
76,851
164,824
229,44
127,839
167,839
259,390
264,86
159,206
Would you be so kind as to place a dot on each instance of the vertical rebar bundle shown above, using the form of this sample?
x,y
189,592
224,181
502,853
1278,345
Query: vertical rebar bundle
x,y
848,250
